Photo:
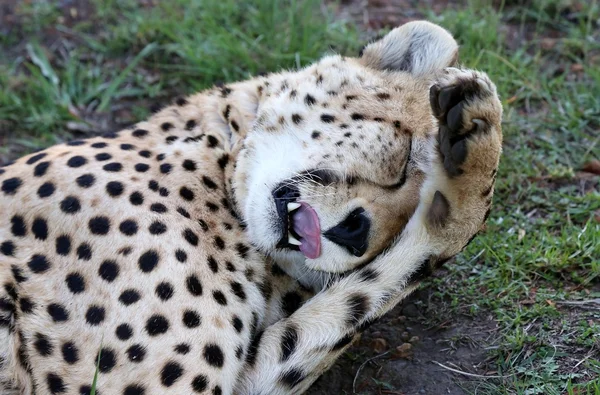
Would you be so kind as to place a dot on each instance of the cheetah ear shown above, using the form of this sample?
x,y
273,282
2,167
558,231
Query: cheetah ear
x,y
419,48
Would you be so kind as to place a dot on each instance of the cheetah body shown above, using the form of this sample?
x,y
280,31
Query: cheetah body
x,y
152,253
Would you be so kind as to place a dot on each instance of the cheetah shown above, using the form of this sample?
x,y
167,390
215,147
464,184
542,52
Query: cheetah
x,y
239,240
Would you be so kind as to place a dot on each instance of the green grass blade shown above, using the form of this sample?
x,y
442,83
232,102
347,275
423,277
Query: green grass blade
x,y
112,88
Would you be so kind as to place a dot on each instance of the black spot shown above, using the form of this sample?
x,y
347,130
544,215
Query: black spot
x,y
47,189
157,228
134,389
75,283
86,180
158,208
289,340
99,145
327,118
181,256
368,274
57,312
108,271
166,126
291,302
223,161
36,158
170,373
129,297
99,225
136,353
358,306
110,135
217,390
292,378
70,353
309,100
70,205
190,237
160,157
182,348
191,319
277,271
7,248
18,228
139,133
253,348
193,285
163,192
296,118
212,141
219,243
26,305
76,161
166,168
239,352
17,273
95,315
113,167
38,264
203,225
145,153
136,198
238,290
124,332
40,229
343,342
186,194
189,165
103,157
213,355
357,117
220,298
40,169
128,227
148,261
157,325
127,147
107,360
235,126
242,249
237,324
56,385
212,207
181,101
164,291
190,124
43,345
210,184
84,252
200,383
315,134
114,188
212,264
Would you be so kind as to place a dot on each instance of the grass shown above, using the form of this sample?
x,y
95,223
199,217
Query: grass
x,y
542,244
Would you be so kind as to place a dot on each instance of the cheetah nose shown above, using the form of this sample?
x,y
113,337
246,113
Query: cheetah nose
x,y
352,232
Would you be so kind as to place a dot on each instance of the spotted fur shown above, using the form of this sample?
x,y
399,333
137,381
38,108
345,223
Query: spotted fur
x,y
153,252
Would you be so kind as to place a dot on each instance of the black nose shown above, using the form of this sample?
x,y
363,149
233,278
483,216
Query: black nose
x,y
352,232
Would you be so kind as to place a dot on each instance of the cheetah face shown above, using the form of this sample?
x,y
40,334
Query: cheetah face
x,y
330,172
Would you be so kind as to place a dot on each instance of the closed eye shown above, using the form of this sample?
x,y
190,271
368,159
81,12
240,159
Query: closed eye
x,y
402,180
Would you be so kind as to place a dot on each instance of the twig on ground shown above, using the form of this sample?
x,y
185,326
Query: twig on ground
x,y
362,366
470,374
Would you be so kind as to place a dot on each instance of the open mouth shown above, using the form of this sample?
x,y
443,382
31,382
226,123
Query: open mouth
x,y
301,230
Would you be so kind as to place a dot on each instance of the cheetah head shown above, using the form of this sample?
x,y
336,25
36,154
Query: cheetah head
x,y
331,170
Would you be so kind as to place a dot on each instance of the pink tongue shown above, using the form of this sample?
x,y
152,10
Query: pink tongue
x,y
306,225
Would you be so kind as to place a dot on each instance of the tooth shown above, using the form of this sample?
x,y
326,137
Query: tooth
x,y
293,206
292,240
